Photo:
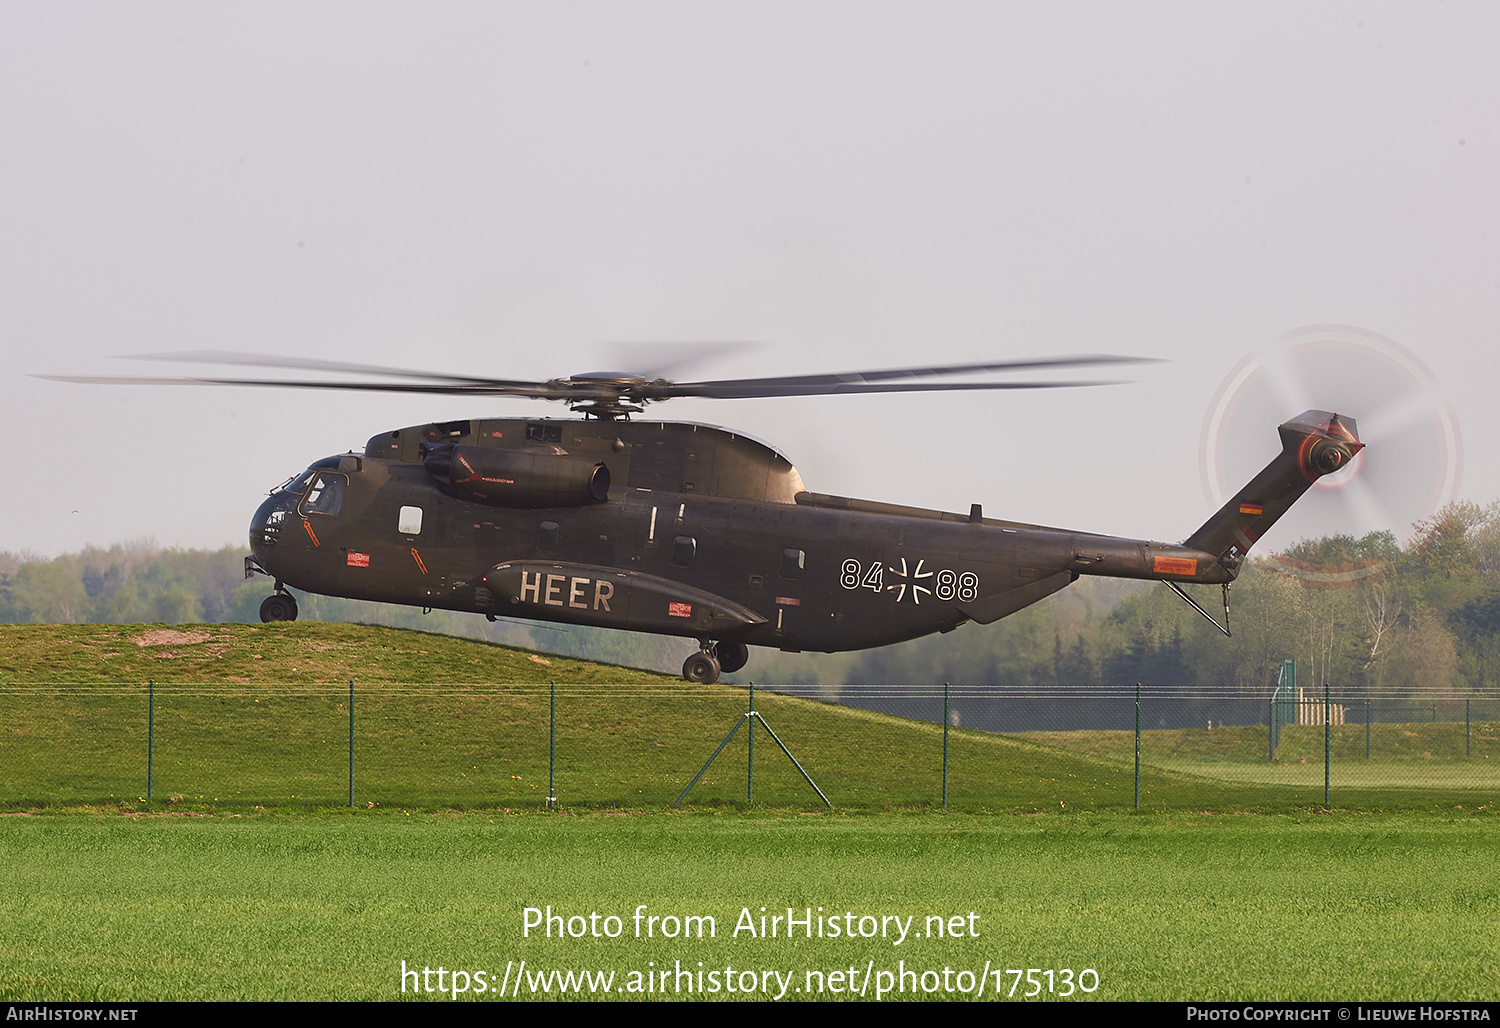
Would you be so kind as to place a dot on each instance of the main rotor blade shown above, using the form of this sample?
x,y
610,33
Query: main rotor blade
x,y
579,391
313,364
538,390
605,390
735,391
807,385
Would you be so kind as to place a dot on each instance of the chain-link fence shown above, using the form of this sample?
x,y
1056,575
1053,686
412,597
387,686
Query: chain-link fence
x,y
642,746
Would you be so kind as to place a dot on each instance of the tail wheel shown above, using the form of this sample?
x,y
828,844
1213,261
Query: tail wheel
x,y
701,669
732,656
278,607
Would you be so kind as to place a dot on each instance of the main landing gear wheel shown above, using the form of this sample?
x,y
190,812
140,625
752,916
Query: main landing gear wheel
x,y
278,607
732,656
701,668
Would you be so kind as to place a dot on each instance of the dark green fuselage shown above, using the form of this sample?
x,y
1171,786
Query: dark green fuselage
x,y
700,532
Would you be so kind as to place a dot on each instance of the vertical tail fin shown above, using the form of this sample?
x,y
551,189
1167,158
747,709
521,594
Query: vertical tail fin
x,y
1313,444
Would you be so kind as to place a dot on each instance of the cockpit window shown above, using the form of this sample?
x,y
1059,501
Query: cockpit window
x,y
326,495
299,483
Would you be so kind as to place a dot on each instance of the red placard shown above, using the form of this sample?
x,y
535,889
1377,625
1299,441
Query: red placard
x,y
1175,566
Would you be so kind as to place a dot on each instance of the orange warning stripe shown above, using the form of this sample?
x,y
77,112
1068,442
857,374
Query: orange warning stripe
x,y
418,558
1175,566
310,534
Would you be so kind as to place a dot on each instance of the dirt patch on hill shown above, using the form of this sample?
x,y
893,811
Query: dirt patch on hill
x,y
169,637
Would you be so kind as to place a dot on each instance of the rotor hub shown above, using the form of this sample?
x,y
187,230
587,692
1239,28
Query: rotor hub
x,y
620,380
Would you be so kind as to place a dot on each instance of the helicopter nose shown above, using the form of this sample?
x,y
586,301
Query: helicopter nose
x,y
266,527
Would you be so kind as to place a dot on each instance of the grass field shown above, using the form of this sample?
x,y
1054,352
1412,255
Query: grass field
x,y
249,878
1403,756
1420,743
1158,906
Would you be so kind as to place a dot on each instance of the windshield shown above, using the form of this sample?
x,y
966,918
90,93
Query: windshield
x,y
298,483
295,484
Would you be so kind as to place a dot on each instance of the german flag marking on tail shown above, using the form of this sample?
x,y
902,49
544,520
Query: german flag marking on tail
x,y
1252,508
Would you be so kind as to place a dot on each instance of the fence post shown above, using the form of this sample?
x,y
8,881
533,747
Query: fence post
x,y
1327,736
351,744
946,718
552,747
1466,727
750,766
150,733
1368,714
1137,745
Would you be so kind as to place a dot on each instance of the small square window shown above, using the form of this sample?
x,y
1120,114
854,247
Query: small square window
x,y
410,521
684,551
792,563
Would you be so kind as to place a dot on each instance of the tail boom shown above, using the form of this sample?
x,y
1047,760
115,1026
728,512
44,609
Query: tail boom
x,y
1313,444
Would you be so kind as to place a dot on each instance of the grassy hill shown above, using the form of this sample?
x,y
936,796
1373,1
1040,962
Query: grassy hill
x,y
244,716
296,652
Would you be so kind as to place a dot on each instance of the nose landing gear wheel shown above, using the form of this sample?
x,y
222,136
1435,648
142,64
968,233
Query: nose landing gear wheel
x,y
278,607
701,668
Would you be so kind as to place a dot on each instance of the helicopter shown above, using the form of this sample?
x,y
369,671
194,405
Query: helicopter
x,y
676,528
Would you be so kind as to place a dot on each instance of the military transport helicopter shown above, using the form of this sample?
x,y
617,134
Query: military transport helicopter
x,y
691,530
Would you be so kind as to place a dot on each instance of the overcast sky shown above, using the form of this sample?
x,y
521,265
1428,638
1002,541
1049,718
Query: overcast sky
x,y
504,188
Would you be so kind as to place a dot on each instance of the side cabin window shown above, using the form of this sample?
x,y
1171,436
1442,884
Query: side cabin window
x,y
409,521
684,551
792,563
326,495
